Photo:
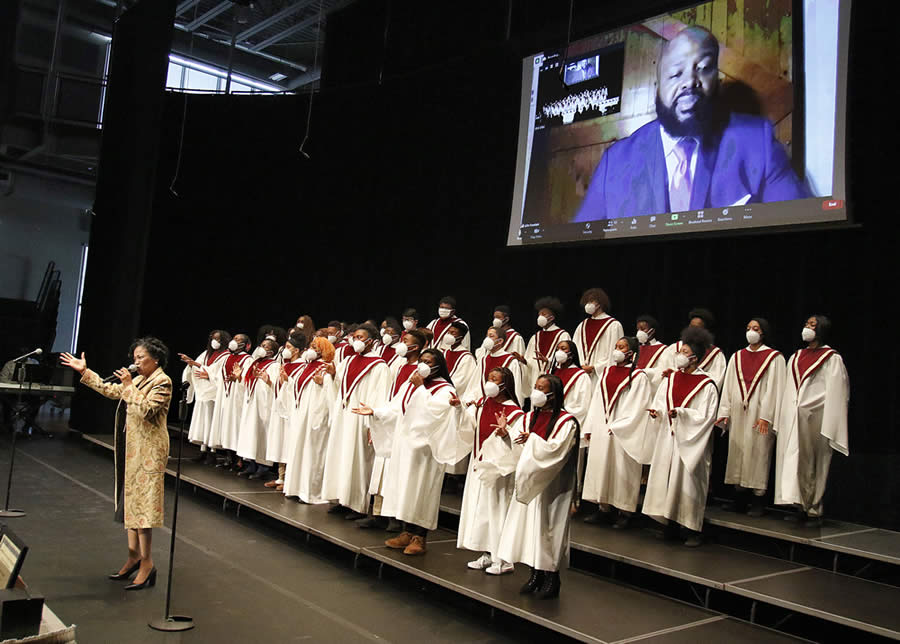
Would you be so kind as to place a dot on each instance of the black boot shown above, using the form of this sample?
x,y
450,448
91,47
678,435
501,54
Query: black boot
x,y
757,506
534,582
550,586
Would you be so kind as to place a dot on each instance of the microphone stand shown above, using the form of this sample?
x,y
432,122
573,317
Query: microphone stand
x,y
169,622
6,513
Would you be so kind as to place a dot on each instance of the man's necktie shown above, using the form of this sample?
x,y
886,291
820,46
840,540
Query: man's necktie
x,y
680,190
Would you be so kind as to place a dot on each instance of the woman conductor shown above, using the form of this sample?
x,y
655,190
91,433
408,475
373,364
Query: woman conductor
x,y
141,465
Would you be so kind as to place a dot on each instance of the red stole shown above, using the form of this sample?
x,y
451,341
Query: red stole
x,y
453,357
230,363
402,376
613,382
492,362
569,376
432,386
542,424
305,378
250,378
357,368
344,350
808,361
750,368
388,353
489,410
511,335
592,331
212,357
649,354
439,327
546,341
289,368
682,388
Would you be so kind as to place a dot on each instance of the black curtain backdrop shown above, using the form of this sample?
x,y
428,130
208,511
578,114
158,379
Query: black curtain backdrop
x,y
406,197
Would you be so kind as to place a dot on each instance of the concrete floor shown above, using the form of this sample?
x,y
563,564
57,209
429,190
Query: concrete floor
x,y
242,579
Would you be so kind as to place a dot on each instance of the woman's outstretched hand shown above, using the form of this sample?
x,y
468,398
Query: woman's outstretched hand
x,y
68,360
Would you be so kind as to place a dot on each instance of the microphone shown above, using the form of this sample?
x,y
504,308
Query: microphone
x,y
113,378
36,352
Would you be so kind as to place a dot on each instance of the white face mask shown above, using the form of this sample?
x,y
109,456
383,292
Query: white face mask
x,y
300,325
233,346
287,354
402,349
618,357
682,361
359,346
491,389
561,356
538,398
643,337
444,313
488,344
259,352
808,334
497,323
542,321
409,325
753,337
215,344
448,340
310,354
590,308
332,339
423,369
387,340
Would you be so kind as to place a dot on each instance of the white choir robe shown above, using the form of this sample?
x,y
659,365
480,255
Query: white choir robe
x,y
476,392
308,427
436,340
350,454
813,422
578,391
536,530
662,361
486,498
713,364
258,400
202,392
599,354
679,468
229,406
463,374
749,452
515,343
276,427
621,442
384,420
412,490
532,367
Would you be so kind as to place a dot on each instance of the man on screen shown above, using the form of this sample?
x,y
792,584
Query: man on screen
x,y
692,155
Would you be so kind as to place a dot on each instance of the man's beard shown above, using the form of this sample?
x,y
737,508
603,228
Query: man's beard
x,y
698,124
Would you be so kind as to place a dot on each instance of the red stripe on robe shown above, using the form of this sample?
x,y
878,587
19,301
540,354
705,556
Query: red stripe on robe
x,y
808,361
750,368
649,354
306,377
612,383
211,358
250,378
356,370
569,377
542,424
684,387
546,341
433,386
489,410
452,357
511,335
403,375
388,353
233,360
492,362
593,331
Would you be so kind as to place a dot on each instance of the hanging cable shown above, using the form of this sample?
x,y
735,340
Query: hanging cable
x,y
312,93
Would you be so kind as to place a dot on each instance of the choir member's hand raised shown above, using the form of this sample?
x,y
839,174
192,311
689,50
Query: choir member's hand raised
x,y
201,373
262,375
68,360
541,358
189,360
283,375
363,410
319,375
235,374
501,424
518,356
667,372
521,438
329,368
416,380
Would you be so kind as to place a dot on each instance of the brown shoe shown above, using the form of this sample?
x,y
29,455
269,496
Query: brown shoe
x,y
270,484
400,541
279,488
416,546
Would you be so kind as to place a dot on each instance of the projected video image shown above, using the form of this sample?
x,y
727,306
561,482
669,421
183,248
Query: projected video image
x,y
694,115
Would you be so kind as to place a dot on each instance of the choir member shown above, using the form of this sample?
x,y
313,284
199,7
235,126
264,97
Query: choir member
x,y
410,320
461,364
812,423
542,345
494,356
429,412
578,387
619,437
258,394
312,399
536,530
361,378
413,344
390,337
304,325
501,321
595,336
282,401
683,411
202,377
446,317
748,409
650,356
713,363
489,423
230,399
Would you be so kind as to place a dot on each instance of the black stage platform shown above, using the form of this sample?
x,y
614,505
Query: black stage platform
x,y
600,610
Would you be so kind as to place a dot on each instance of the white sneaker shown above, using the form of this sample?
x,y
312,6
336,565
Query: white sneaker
x,y
481,563
499,568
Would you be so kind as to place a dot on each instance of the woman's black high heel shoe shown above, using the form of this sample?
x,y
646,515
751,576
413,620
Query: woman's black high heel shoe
x,y
149,581
119,576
